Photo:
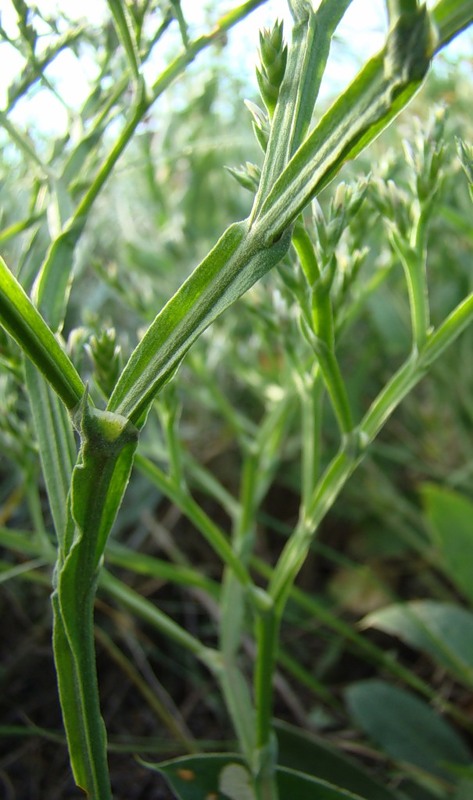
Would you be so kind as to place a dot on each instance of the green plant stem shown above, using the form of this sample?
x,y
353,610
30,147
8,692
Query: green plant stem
x,y
311,399
125,32
362,645
349,456
411,372
267,636
98,482
233,606
78,690
335,385
195,513
447,332
24,144
168,412
29,78
390,396
414,261
18,227
296,550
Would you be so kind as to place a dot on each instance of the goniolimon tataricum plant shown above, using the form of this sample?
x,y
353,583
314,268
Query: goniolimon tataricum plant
x,y
86,485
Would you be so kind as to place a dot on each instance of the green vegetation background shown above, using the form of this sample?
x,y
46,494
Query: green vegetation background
x,y
169,199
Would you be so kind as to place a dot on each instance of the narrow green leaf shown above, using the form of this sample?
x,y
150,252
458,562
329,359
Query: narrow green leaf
x,y
143,564
237,696
183,27
53,283
78,695
10,572
23,542
236,262
148,611
213,534
451,17
57,447
448,331
25,324
19,227
124,28
442,630
451,525
406,728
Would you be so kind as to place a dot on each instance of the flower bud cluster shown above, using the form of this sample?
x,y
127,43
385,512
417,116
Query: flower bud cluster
x,y
393,203
425,155
344,206
270,74
248,175
105,355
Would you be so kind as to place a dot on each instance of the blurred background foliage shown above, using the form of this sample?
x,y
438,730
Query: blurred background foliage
x,y
165,204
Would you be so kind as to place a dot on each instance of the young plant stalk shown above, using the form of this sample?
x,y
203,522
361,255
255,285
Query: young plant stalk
x,y
98,482
307,57
414,262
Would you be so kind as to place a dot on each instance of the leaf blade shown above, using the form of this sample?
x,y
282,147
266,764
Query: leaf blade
x,y
24,323
442,630
406,727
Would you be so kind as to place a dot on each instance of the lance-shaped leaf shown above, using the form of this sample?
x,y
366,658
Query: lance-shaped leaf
x,y
57,447
25,324
236,262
